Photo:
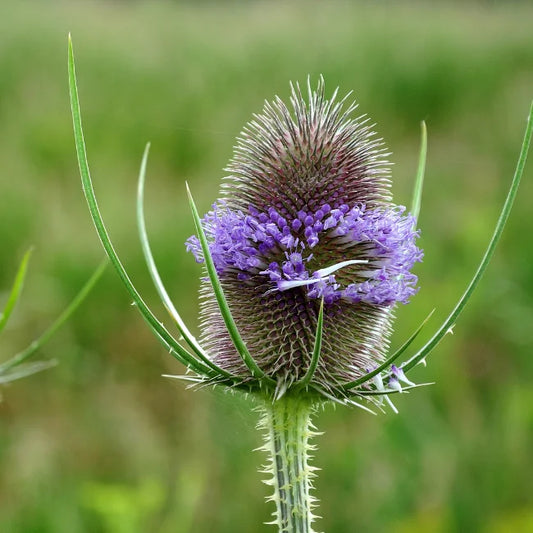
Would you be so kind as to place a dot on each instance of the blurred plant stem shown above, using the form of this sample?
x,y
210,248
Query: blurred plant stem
x,y
16,367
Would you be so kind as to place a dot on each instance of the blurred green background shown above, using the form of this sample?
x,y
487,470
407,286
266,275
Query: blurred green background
x,y
103,443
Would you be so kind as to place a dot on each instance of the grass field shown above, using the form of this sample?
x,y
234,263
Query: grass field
x,y
103,443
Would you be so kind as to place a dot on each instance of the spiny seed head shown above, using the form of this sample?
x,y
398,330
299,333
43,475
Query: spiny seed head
x,y
306,215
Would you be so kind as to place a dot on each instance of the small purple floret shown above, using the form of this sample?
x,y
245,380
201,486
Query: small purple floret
x,y
266,244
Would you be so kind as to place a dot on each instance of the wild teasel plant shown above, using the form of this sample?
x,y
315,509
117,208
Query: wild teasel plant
x,y
18,366
305,257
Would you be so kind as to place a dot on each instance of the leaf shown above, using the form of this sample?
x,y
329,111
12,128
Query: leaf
x,y
15,290
26,369
60,320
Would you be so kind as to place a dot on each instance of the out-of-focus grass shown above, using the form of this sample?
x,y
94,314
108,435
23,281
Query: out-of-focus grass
x,y
104,440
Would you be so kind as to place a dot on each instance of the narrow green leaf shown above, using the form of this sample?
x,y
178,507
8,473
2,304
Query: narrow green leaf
x,y
390,359
157,328
221,299
156,278
60,320
419,182
15,290
304,382
504,215
26,369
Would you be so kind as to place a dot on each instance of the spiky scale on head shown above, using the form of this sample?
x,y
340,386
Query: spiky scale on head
x,y
302,158
304,215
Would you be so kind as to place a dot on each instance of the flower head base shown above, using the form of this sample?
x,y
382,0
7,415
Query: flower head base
x,y
306,216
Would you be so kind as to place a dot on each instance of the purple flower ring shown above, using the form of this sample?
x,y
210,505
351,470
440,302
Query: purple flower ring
x,y
288,252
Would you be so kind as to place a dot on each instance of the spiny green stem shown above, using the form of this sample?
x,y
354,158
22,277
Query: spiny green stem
x,y
288,428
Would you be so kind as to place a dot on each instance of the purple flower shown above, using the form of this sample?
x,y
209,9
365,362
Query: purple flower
x,y
382,240
305,216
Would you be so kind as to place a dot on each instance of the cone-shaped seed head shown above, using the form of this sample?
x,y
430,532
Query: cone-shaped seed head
x,y
305,215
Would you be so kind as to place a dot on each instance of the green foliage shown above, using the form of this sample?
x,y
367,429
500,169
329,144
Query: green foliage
x,y
123,509
17,366
186,78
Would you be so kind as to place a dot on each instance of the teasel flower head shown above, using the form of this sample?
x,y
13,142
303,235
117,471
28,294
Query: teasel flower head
x,y
305,222
305,259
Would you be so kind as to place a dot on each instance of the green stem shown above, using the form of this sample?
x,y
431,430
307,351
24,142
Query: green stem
x,y
288,428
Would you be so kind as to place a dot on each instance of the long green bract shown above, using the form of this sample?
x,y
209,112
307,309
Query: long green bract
x,y
504,215
304,382
221,299
156,278
389,360
158,329
419,182
15,290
